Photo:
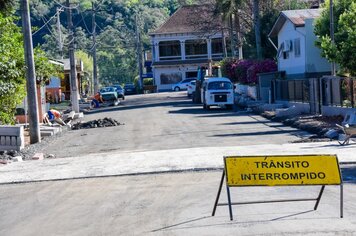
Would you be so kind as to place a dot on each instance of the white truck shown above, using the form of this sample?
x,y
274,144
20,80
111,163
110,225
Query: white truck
x,y
217,91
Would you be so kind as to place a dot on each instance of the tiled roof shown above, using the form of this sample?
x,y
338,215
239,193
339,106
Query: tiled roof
x,y
191,19
297,17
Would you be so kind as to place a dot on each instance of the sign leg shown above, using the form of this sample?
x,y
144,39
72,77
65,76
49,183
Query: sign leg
x,y
341,201
219,191
229,200
319,197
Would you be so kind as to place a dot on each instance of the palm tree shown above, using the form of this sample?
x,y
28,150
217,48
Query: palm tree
x,y
229,10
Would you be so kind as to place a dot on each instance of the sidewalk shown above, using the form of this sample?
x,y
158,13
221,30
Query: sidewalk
x,y
116,164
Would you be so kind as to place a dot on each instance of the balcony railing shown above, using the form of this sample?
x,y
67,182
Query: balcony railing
x,y
170,58
196,56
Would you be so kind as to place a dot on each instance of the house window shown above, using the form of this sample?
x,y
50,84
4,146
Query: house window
x,y
285,55
171,78
169,50
216,46
191,74
196,49
297,47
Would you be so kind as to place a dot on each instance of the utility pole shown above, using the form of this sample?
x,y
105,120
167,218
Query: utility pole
x,y
35,135
333,66
257,24
139,53
73,71
95,68
60,44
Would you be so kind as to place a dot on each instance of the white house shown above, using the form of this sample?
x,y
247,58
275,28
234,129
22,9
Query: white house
x,y
297,54
190,38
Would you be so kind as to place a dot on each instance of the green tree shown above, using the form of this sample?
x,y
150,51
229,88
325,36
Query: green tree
x,y
12,69
342,51
230,9
5,5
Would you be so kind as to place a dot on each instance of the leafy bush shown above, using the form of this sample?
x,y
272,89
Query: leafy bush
x,y
148,81
342,51
264,66
245,71
12,69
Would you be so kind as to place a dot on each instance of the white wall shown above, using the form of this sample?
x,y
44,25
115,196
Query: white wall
x,y
314,61
292,65
171,69
54,83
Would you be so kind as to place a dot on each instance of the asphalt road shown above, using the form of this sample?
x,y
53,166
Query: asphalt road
x,y
169,121
169,204
173,203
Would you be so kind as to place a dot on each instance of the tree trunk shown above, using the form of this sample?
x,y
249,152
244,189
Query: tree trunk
x,y
256,21
238,31
232,38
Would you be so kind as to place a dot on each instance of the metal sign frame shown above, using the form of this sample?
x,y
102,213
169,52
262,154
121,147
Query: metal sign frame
x,y
317,200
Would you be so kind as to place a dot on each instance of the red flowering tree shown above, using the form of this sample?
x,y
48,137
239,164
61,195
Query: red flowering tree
x,y
245,71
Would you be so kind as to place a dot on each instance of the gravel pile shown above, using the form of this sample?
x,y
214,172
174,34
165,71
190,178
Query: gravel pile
x,y
106,122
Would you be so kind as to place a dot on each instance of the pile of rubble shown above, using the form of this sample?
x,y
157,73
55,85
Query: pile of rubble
x,y
8,156
106,122
315,124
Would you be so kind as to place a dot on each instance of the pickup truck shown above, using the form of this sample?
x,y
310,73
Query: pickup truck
x,y
109,95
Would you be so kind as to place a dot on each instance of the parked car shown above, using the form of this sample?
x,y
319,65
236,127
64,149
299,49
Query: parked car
x,y
109,95
120,91
191,88
130,89
217,91
182,85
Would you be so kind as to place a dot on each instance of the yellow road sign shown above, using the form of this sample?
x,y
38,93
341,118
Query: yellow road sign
x,y
282,170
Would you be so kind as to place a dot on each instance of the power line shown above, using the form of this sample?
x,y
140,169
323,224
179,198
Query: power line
x,y
63,6
85,24
50,19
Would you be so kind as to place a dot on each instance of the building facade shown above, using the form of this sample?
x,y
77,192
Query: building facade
x,y
297,54
190,38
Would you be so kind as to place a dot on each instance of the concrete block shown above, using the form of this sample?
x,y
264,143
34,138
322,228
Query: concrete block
x,y
8,141
38,156
46,133
17,159
288,112
79,115
12,137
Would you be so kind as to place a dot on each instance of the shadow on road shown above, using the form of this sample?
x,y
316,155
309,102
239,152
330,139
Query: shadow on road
x,y
257,133
267,123
185,224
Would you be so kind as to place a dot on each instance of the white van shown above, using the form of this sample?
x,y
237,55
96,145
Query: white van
x,y
217,91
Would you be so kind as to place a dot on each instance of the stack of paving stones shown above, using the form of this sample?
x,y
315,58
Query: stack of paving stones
x,y
317,125
99,123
